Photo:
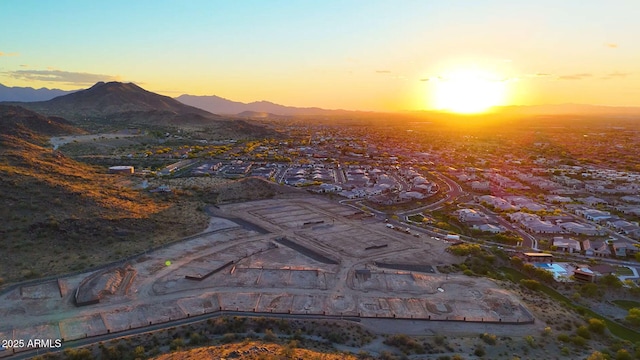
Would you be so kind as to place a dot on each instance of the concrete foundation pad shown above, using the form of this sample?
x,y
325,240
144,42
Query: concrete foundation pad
x,y
309,304
277,303
48,290
204,303
239,301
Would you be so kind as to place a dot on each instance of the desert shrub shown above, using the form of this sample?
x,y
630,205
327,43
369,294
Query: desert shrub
x,y
623,354
489,339
583,331
78,354
579,341
405,343
270,336
530,284
195,339
464,249
531,341
138,352
228,338
597,326
176,344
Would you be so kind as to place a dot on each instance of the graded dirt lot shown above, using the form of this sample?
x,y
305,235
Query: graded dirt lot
x,y
302,255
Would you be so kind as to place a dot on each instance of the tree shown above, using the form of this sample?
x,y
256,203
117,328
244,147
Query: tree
x,y
611,281
516,262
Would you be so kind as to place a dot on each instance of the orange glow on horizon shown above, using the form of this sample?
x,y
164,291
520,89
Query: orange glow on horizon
x,y
468,91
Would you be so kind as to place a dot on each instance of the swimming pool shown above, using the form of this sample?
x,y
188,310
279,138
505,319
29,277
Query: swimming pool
x,y
557,270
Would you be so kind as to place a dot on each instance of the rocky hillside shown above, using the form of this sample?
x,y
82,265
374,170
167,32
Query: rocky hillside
x,y
60,215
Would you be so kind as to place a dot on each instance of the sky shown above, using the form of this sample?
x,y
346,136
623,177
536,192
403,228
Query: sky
x,y
356,55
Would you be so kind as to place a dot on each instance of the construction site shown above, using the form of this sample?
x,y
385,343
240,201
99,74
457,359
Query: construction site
x,y
302,256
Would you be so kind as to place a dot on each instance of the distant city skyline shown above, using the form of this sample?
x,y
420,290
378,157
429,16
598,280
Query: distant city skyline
x,y
353,55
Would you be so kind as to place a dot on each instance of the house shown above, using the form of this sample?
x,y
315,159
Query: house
x,y
538,226
566,245
411,195
592,201
496,202
480,185
538,257
585,247
523,202
490,228
330,188
470,215
593,214
631,199
557,199
601,249
624,249
580,229
584,275
623,227
522,216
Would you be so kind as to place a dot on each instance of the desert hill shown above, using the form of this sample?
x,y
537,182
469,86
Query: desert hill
x,y
26,124
57,211
116,104
104,100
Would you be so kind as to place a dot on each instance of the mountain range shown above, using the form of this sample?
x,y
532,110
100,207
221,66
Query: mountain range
x,y
25,94
109,98
221,105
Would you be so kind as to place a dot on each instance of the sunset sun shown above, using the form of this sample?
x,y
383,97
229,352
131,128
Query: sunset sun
x,y
468,92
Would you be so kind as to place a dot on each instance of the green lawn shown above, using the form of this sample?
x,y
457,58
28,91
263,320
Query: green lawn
x,y
627,304
615,328
623,271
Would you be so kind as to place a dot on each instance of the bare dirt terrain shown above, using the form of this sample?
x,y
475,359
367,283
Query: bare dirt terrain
x,y
62,140
299,256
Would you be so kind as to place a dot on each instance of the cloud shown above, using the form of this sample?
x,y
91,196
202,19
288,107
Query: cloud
x,y
580,76
615,75
9,54
69,77
611,45
383,71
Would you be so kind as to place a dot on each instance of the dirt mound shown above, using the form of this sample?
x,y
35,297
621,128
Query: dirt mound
x,y
104,283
